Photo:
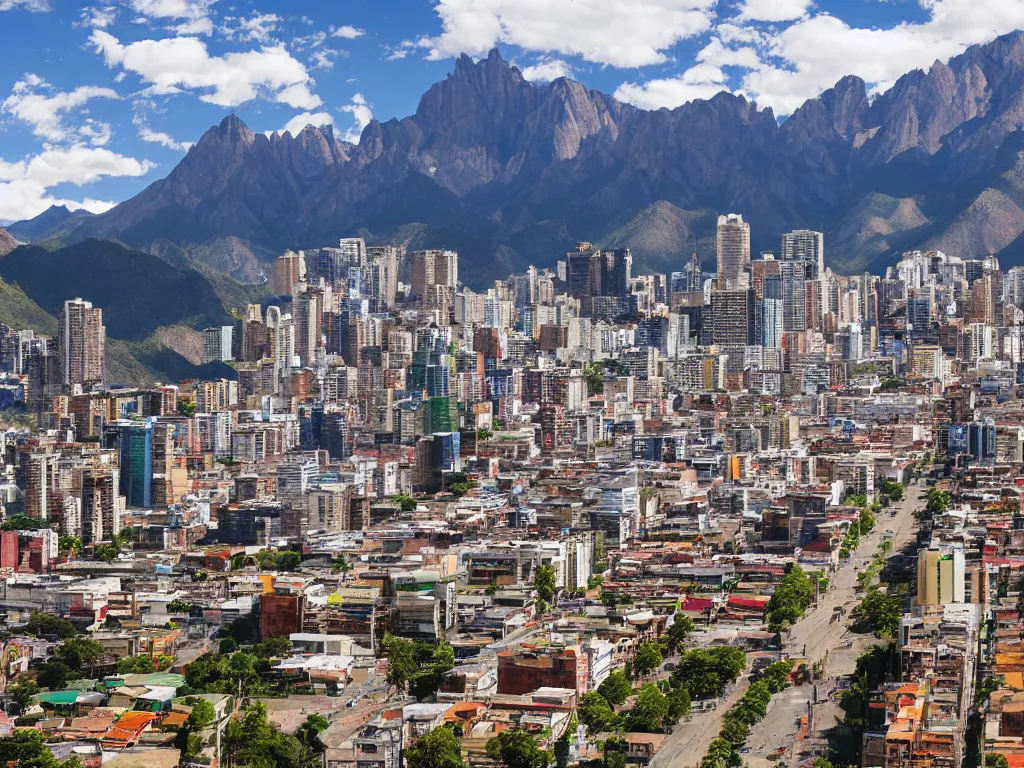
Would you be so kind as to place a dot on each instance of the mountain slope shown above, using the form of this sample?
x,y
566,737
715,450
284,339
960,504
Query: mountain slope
x,y
7,243
138,292
511,173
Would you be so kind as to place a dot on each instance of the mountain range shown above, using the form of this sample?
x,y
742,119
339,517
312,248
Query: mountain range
x,y
511,173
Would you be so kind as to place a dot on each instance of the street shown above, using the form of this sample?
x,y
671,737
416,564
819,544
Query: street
x,y
822,638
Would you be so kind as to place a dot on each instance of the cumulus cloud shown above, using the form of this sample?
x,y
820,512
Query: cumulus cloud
x,y
34,101
97,17
297,123
773,10
192,17
785,64
29,5
323,58
621,33
259,28
25,185
146,133
547,70
701,81
347,32
183,63
812,54
361,113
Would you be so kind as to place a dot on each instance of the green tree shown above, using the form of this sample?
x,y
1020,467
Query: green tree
x,y
401,661
107,552
55,675
25,748
996,760
406,502
483,433
439,748
679,705
40,624
273,647
71,544
202,714
78,652
544,583
893,490
734,731
593,375
518,749
228,645
309,732
721,754
681,629
616,688
21,693
647,658
649,712
880,611
187,408
288,561
596,713
135,665
194,745
790,599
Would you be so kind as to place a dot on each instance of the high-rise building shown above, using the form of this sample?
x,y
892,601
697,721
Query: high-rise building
x,y
807,246
82,342
217,343
733,252
353,251
134,444
384,262
772,312
289,269
794,295
731,317
431,269
940,576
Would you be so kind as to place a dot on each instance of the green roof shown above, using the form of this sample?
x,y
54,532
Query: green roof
x,y
156,678
57,697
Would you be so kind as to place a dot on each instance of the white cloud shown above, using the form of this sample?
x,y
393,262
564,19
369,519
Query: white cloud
x,y
183,63
145,133
33,101
297,123
25,185
547,70
195,12
773,10
810,55
28,5
701,81
783,66
400,51
361,113
257,28
308,42
622,33
95,132
323,58
97,17
347,32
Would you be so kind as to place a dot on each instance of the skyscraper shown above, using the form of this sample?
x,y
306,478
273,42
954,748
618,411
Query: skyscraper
x,y
733,252
807,246
217,343
82,341
772,324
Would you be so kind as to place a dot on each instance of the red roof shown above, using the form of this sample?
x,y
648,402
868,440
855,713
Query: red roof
x,y
696,604
756,603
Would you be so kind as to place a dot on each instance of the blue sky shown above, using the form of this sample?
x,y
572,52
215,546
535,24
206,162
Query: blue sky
x,y
99,100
